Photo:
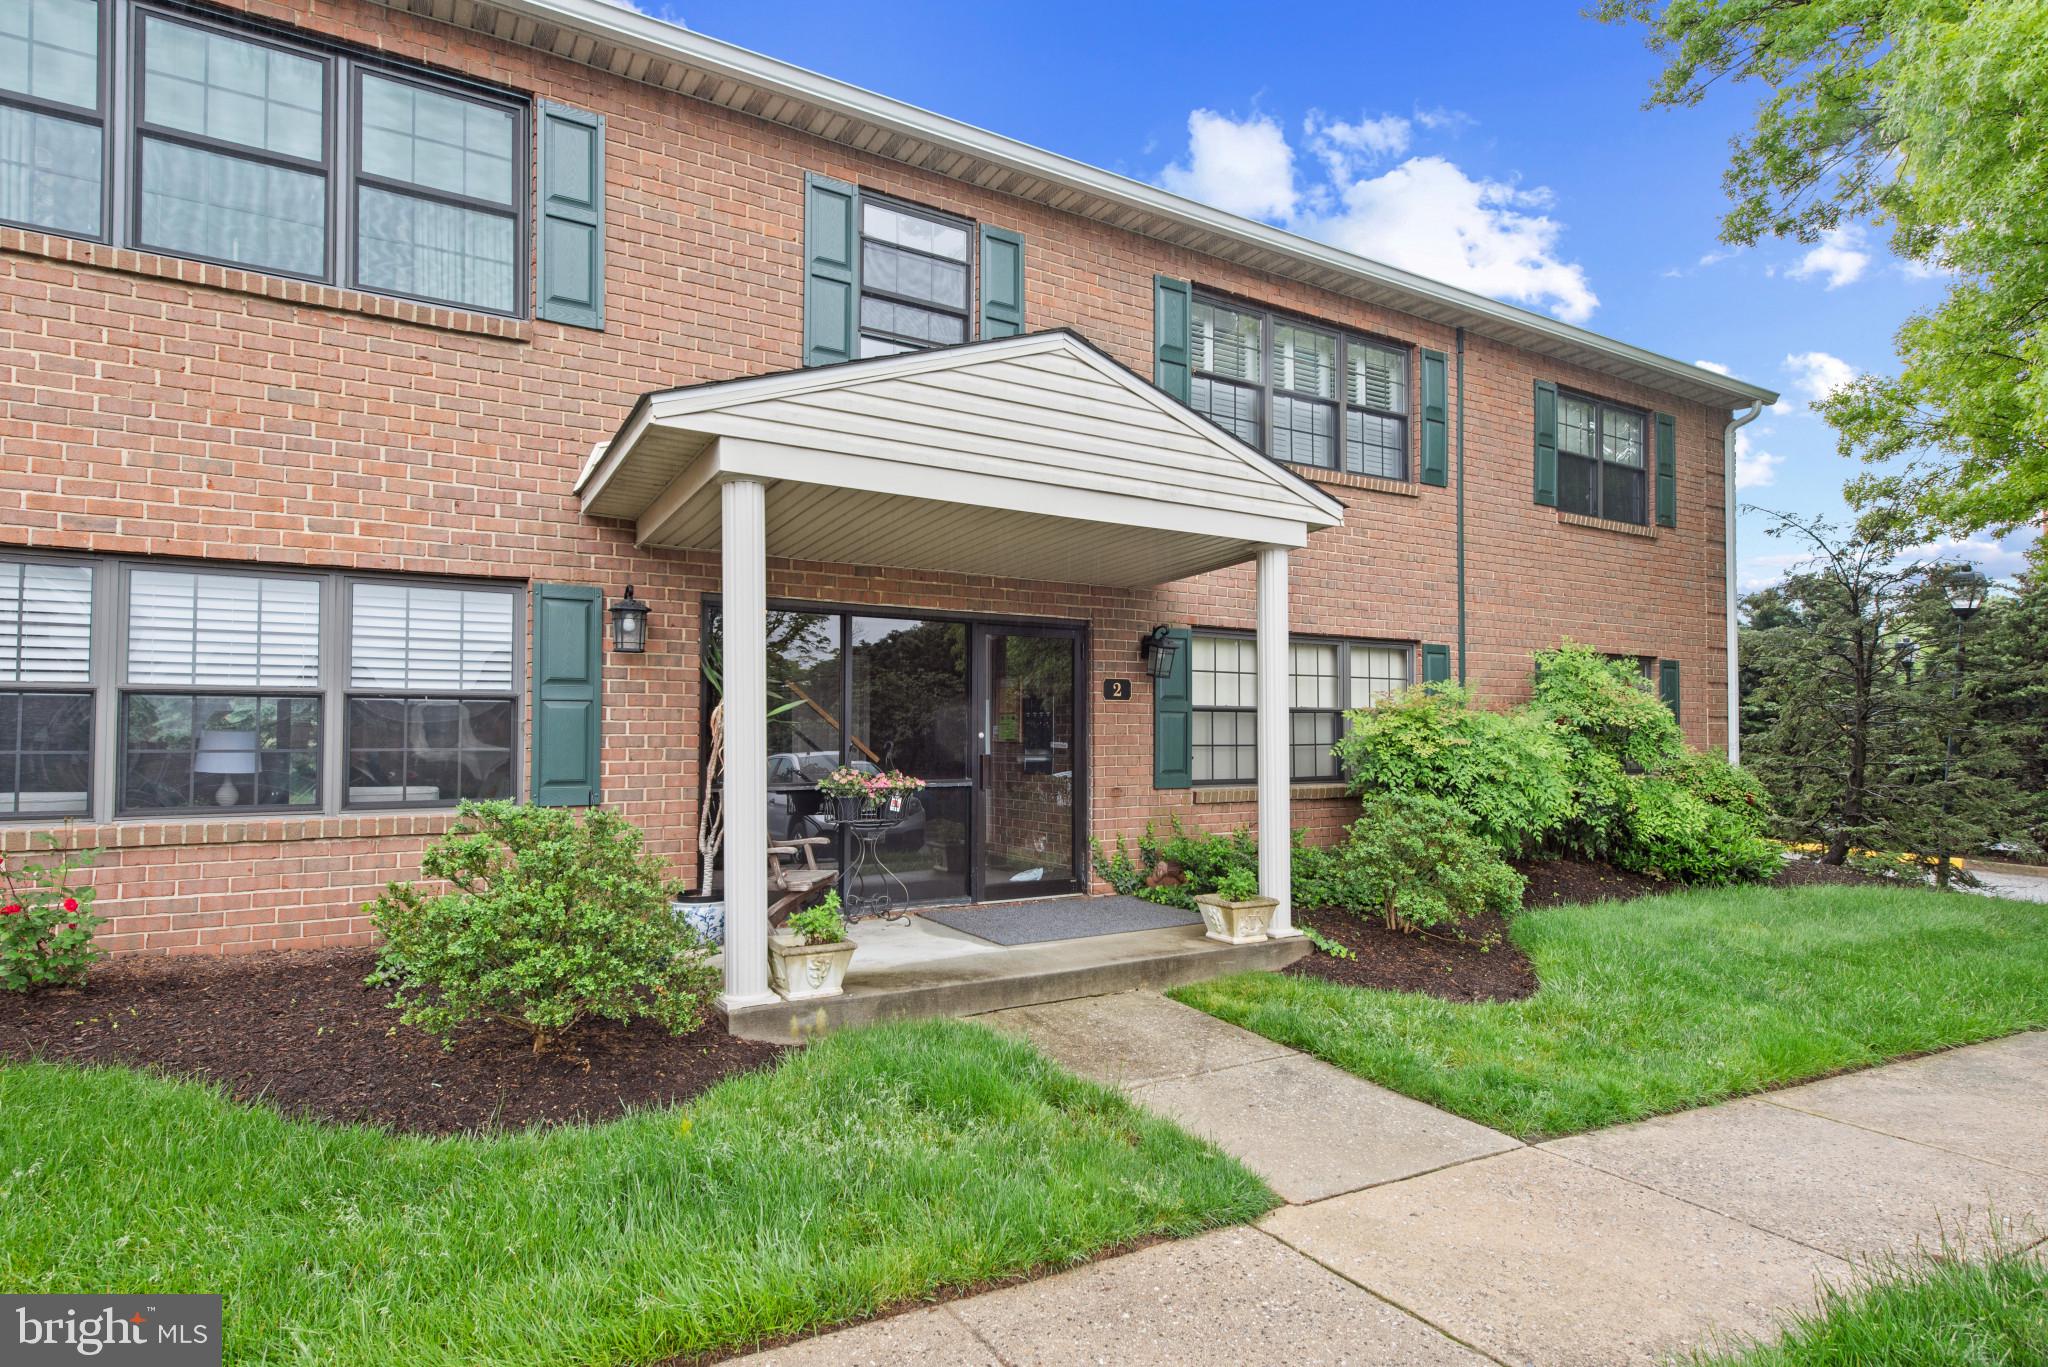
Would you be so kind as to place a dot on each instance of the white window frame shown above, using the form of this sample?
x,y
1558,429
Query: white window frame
x,y
1409,652
109,684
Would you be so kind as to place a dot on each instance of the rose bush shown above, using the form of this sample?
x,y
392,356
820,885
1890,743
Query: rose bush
x,y
47,921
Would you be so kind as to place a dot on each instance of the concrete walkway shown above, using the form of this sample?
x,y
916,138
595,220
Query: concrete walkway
x,y
1412,1236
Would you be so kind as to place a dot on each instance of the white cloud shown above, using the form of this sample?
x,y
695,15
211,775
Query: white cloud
x,y
1714,366
1755,468
1995,558
1814,376
1424,214
1240,166
1839,256
1442,120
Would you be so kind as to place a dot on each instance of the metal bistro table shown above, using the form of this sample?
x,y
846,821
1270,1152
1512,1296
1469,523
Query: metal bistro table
x,y
869,828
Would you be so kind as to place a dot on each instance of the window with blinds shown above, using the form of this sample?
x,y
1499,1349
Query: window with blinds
x,y
1325,679
431,713
46,702
222,630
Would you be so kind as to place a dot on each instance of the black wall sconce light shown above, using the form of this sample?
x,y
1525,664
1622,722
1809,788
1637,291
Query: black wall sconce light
x,y
629,624
1159,650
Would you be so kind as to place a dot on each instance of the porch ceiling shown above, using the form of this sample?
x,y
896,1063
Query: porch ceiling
x,y
1026,457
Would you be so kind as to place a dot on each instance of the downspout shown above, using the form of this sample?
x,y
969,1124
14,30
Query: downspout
x,y
1728,576
1461,507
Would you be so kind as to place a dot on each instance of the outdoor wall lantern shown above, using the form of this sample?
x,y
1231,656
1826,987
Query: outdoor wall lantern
x,y
629,624
1158,651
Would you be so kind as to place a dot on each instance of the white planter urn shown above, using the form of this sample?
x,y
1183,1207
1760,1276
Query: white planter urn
x,y
1236,923
799,971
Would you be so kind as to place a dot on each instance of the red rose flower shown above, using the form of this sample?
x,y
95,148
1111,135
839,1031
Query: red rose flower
x,y
71,904
11,909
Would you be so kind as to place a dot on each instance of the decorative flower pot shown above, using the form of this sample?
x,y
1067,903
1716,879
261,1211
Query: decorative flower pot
x,y
797,970
1236,923
846,809
704,915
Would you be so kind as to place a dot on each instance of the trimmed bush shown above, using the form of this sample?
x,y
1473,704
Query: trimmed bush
x,y
546,919
1675,834
1504,770
1416,863
1611,725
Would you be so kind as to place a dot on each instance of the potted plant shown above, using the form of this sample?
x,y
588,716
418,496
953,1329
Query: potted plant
x,y
864,795
704,908
1235,913
808,956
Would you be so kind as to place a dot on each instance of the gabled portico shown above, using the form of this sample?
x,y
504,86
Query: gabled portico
x,y
1033,457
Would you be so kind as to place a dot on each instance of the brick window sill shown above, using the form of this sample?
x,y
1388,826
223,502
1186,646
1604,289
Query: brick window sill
x,y
1301,792
1601,524
231,280
151,834
1344,479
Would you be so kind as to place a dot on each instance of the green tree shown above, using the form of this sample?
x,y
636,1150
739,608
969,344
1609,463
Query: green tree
x,y
2008,672
1929,117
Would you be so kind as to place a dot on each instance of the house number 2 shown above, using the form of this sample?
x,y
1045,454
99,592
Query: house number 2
x,y
1116,690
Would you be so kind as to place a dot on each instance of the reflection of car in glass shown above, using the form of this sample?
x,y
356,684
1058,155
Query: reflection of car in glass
x,y
794,814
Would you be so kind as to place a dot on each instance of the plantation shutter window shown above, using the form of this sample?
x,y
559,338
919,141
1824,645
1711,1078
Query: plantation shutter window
x,y
432,706
222,630
1304,396
1376,410
1227,373
46,703
1170,336
568,655
1599,458
570,243
1002,283
1667,470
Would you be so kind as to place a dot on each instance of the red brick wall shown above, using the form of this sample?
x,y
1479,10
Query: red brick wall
x,y
154,406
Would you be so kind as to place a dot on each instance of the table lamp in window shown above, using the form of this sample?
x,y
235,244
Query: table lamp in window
x,y
231,754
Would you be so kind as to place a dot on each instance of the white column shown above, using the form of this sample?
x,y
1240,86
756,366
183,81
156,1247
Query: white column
x,y
745,612
1276,822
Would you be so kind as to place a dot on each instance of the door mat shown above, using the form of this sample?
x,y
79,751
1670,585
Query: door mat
x,y
1060,918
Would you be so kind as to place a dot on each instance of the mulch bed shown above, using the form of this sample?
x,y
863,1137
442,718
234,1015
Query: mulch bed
x,y
299,1030
1486,966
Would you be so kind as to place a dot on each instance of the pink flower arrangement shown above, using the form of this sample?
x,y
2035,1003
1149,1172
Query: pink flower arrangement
x,y
872,789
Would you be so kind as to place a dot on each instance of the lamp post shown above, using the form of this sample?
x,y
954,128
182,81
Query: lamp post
x,y
1965,592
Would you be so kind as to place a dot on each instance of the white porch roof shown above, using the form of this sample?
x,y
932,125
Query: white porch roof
x,y
1027,457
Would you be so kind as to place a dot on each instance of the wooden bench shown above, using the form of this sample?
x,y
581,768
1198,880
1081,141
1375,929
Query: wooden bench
x,y
791,886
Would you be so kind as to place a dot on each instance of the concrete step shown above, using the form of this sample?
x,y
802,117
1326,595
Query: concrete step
x,y
972,983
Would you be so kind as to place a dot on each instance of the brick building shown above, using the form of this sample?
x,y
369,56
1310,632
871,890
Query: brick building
x,y
356,356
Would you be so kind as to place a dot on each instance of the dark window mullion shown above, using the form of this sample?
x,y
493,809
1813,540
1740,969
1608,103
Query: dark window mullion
x,y
240,151
447,197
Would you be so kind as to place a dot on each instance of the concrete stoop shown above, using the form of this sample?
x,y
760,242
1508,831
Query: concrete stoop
x,y
1023,975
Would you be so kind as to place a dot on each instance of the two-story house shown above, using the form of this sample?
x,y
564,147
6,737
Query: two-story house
x,y
356,357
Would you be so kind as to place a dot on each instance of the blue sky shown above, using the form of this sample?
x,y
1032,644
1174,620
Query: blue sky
x,y
1500,146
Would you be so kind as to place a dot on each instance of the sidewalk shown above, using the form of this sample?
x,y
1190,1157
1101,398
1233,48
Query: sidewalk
x,y
1413,1236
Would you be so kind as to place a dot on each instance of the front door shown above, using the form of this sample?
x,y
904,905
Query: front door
x,y
1031,762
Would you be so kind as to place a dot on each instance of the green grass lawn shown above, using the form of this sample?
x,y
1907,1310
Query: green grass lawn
x,y
1991,1313
871,1168
1670,1002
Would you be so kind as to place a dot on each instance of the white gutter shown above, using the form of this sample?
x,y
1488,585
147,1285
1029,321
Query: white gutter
x,y
1728,574
611,22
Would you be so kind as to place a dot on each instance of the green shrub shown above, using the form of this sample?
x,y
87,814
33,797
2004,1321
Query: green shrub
x,y
546,919
1505,771
1323,878
1675,834
47,921
1422,866
1238,885
1716,782
821,924
1611,724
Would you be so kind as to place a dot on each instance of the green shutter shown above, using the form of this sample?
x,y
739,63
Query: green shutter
x,y
570,247
1170,309
831,269
1436,464
1173,718
1436,664
1667,684
1002,282
1667,470
1546,443
568,654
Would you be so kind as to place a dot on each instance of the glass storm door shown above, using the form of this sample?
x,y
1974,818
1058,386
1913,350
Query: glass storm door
x,y
1031,760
